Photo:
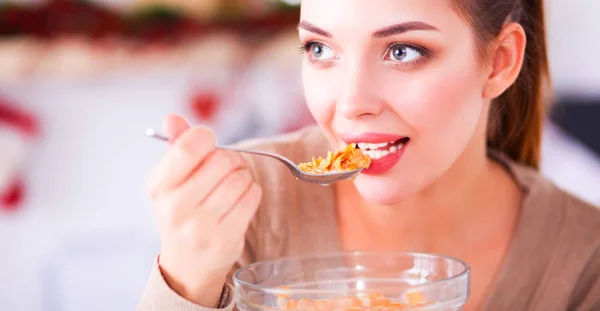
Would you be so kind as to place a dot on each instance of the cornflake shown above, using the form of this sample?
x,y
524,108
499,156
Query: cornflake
x,y
374,302
349,159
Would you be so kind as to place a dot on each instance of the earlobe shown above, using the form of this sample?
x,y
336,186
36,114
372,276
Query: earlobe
x,y
507,60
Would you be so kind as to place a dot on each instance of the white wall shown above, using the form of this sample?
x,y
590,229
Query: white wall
x,y
86,228
574,42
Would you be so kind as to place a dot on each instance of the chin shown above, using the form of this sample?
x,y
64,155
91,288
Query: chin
x,y
383,191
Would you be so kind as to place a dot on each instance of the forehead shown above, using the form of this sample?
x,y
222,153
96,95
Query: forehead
x,y
361,15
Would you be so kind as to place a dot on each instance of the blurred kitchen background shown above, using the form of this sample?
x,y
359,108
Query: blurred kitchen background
x,y
80,81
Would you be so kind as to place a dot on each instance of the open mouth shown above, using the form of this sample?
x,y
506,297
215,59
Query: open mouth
x,y
378,151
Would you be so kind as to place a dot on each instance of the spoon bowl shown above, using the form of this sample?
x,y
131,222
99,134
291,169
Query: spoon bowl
x,y
324,179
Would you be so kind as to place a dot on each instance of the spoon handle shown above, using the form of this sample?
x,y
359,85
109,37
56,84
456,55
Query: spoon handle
x,y
284,160
154,134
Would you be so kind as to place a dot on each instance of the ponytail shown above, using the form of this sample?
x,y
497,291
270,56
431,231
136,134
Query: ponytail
x,y
518,125
516,117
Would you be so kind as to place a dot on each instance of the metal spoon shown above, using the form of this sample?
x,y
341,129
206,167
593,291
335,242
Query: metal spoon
x,y
323,179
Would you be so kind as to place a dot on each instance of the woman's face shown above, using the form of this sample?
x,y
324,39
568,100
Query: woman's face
x,y
403,79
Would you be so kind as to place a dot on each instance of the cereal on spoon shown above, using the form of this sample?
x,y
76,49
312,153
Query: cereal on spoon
x,y
349,159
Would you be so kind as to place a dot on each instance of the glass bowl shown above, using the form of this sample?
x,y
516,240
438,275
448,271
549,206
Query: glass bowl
x,y
371,281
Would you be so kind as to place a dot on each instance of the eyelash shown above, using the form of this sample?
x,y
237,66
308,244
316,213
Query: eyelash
x,y
306,47
424,53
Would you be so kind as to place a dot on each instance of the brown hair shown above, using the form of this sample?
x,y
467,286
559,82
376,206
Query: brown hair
x,y
516,117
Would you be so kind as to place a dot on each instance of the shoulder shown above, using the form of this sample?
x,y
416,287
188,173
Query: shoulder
x,y
586,294
569,227
298,146
581,242
546,197
293,145
546,202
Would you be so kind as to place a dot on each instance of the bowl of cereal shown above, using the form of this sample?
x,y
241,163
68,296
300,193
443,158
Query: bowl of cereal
x,y
373,281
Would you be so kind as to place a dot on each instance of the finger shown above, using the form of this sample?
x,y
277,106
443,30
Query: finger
x,y
181,159
226,194
206,178
174,125
237,220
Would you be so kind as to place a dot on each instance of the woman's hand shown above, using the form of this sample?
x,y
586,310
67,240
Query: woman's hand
x,y
204,201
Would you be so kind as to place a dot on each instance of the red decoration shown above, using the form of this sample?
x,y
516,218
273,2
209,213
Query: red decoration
x,y
17,125
205,104
13,196
17,118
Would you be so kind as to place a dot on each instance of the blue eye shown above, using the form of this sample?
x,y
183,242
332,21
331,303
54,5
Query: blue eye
x,y
403,53
318,51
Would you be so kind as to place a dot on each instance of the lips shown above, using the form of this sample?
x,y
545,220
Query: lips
x,y
385,150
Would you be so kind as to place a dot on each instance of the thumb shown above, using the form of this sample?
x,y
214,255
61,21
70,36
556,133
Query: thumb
x,y
174,125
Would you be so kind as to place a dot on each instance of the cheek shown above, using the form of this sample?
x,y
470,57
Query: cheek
x,y
442,106
320,95
440,103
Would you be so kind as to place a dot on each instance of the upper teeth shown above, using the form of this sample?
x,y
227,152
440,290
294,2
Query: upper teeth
x,y
365,146
374,151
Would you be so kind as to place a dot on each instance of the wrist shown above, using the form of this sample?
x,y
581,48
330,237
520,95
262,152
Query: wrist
x,y
205,288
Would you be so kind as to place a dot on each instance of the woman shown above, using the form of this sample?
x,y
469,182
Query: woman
x,y
451,93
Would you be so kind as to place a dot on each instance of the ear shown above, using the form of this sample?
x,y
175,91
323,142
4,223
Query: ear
x,y
507,60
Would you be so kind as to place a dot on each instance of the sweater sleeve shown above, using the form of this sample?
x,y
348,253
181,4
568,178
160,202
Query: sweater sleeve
x,y
158,295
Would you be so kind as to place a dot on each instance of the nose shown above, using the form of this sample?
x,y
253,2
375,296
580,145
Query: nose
x,y
357,96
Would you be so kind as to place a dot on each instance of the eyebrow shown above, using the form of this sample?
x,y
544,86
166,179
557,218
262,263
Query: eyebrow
x,y
385,32
314,29
402,28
